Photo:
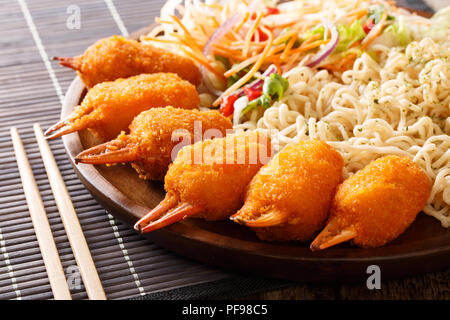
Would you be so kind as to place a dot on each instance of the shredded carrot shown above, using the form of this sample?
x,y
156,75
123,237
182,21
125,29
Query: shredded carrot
x,y
241,66
147,38
349,58
250,33
306,45
224,48
285,25
254,42
276,62
289,46
284,37
251,60
341,63
178,22
330,66
203,62
255,38
240,44
252,71
311,9
309,46
186,39
216,23
362,14
358,12
358,15
291,60
296,25
202,27
197,57
347,62
311,39
355,44
187,34
212,5
305,25
188,42
235,36
244,20
227,54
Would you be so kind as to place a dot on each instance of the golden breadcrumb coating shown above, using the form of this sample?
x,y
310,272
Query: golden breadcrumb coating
x,y
154,133
109,107
296,186
381,200
213,174
117,57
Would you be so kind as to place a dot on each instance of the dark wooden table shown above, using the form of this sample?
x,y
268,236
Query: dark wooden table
x,y
432,286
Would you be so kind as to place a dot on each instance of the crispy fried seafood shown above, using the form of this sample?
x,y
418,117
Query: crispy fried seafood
x,y
289,198
109,107
153,136
376,204
117,57
207,179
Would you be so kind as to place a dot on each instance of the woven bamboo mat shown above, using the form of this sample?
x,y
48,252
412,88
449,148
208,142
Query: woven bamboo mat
x,y
31,91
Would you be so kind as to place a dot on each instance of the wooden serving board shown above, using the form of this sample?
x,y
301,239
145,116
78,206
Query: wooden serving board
x,y
424,247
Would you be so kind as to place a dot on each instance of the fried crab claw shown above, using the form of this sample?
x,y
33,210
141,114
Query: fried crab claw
x,y
376,204
289,198
69,62
118,57
332,235
116,151
110,107
154,138
272,218
198,182
169,211
63,127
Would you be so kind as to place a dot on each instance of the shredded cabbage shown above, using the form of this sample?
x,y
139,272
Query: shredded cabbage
x,y
349,35
399,33
440,23
317,30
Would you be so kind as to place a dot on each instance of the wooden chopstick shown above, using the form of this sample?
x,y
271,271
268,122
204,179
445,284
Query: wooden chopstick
x,y
44,235
70,221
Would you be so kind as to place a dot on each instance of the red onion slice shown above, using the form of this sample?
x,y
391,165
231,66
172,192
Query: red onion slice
x,y
220,32
328,48
258,83
217,35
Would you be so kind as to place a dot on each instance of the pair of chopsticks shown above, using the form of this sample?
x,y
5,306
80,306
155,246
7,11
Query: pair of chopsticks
x,y
80,249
